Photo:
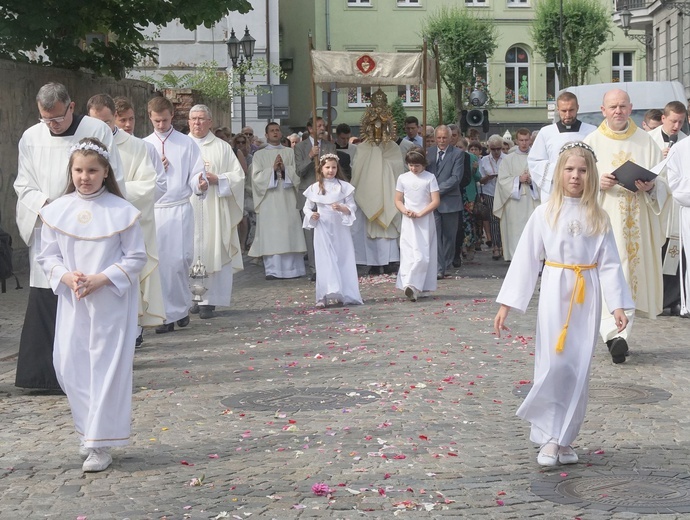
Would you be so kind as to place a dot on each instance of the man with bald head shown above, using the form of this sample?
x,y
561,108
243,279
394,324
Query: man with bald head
x,y
635,216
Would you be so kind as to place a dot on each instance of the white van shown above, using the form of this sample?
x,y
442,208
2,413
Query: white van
x,y
644,95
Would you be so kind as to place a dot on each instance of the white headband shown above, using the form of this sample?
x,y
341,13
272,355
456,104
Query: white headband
x,y
90,146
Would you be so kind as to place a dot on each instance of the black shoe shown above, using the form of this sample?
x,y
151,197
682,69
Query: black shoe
x,y
374,270
139,340
618,348
206,312
183,322
194,309
391,268
167,327
271,277
488,243
675,310
312,278
439,276
457,262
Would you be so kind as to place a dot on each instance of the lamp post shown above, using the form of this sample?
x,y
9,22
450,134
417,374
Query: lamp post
x,y
238,51
625,16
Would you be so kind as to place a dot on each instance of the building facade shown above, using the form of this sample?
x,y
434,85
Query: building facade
x,y
521,83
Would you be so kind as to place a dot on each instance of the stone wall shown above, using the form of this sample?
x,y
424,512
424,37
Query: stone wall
x,y
19,84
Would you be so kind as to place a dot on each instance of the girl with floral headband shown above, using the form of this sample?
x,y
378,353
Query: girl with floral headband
x,y
329,210
93,251
573,233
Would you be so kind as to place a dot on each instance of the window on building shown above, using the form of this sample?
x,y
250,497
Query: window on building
x,y
476,3
359,3
552,85
411,95
517,3
358,96
517,76
622,67
409,3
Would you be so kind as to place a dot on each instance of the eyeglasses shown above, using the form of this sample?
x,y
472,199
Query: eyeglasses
x,y
56,120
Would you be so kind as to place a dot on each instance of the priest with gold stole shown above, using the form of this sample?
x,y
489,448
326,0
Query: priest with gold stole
x,y
216,216
636,217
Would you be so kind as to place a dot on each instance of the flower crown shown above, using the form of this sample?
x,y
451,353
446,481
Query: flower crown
x,y
578,144
90,146
328,157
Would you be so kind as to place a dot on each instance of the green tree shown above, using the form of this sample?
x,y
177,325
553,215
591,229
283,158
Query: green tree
x,y
399,115
54,32
465,42
586,27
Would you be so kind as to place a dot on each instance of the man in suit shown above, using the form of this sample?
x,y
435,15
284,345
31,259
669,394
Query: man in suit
x,y
447,163
316,145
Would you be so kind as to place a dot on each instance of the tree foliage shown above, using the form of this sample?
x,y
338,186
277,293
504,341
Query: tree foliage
x,y
53,32
399,114
465,43
586,27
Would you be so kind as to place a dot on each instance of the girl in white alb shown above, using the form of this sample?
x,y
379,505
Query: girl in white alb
x,y
416,197
573,233
330,211
93,251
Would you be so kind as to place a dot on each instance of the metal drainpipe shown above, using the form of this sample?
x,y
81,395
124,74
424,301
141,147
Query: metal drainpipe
x,y
328,25
268,43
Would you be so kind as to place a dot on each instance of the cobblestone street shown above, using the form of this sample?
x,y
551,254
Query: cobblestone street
x,y
400,409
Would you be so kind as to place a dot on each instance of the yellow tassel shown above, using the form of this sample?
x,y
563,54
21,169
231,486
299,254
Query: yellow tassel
x,y
561,340
580,289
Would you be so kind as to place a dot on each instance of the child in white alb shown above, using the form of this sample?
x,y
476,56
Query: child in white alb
x,y
416,197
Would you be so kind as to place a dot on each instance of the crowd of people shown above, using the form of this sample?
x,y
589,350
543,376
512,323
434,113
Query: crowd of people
x,y
158,226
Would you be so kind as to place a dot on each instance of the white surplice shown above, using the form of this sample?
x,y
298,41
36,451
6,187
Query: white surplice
x,y
545,150
216,217
279,237
140,178
556,404
376,231
418,249
334,253
175,219
94,337
514,201
678,172
42,177
636,219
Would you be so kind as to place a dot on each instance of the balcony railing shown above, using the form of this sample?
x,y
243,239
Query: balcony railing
x,y
631,4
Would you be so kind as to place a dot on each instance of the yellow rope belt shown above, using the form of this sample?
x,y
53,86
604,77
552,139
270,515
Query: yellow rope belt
x,y
578,295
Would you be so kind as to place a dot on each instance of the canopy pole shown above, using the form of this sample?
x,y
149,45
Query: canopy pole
x,y
313,101
424,90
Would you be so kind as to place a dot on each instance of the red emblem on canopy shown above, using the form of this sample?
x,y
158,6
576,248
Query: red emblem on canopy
x,y
366,64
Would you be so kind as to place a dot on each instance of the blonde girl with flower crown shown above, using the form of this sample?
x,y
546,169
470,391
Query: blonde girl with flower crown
x,y
329,210
572,232
93,251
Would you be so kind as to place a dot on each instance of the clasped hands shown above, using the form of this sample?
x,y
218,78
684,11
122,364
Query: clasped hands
x,y
82,284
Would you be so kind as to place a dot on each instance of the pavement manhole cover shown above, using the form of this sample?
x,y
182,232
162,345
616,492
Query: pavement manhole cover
x,y
297,399
650,492
611,393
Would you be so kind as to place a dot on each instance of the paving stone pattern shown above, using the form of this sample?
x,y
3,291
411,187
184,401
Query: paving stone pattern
x,y
399,409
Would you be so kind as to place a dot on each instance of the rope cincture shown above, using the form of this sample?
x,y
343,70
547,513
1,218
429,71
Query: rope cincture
x,y
578,295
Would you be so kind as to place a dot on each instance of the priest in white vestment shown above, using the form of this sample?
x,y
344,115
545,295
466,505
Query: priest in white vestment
x,y
216,216
184,171
666,135
279,237
678,173
140,179
636,217
41,178
550,139
516,195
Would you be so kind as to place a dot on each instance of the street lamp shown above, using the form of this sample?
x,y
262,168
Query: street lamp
x,y
246,46
625,16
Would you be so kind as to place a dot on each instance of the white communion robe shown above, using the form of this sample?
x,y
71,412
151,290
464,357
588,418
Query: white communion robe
x,y
140,178
418,249
545,150
279,237
377,228
94,338
556,404
334,253
678,172
216,242
175,219
514,201
42,177
635,219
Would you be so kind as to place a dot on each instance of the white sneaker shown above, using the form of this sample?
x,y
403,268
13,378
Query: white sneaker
x,y
567,455
411,293
83,451
98,460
